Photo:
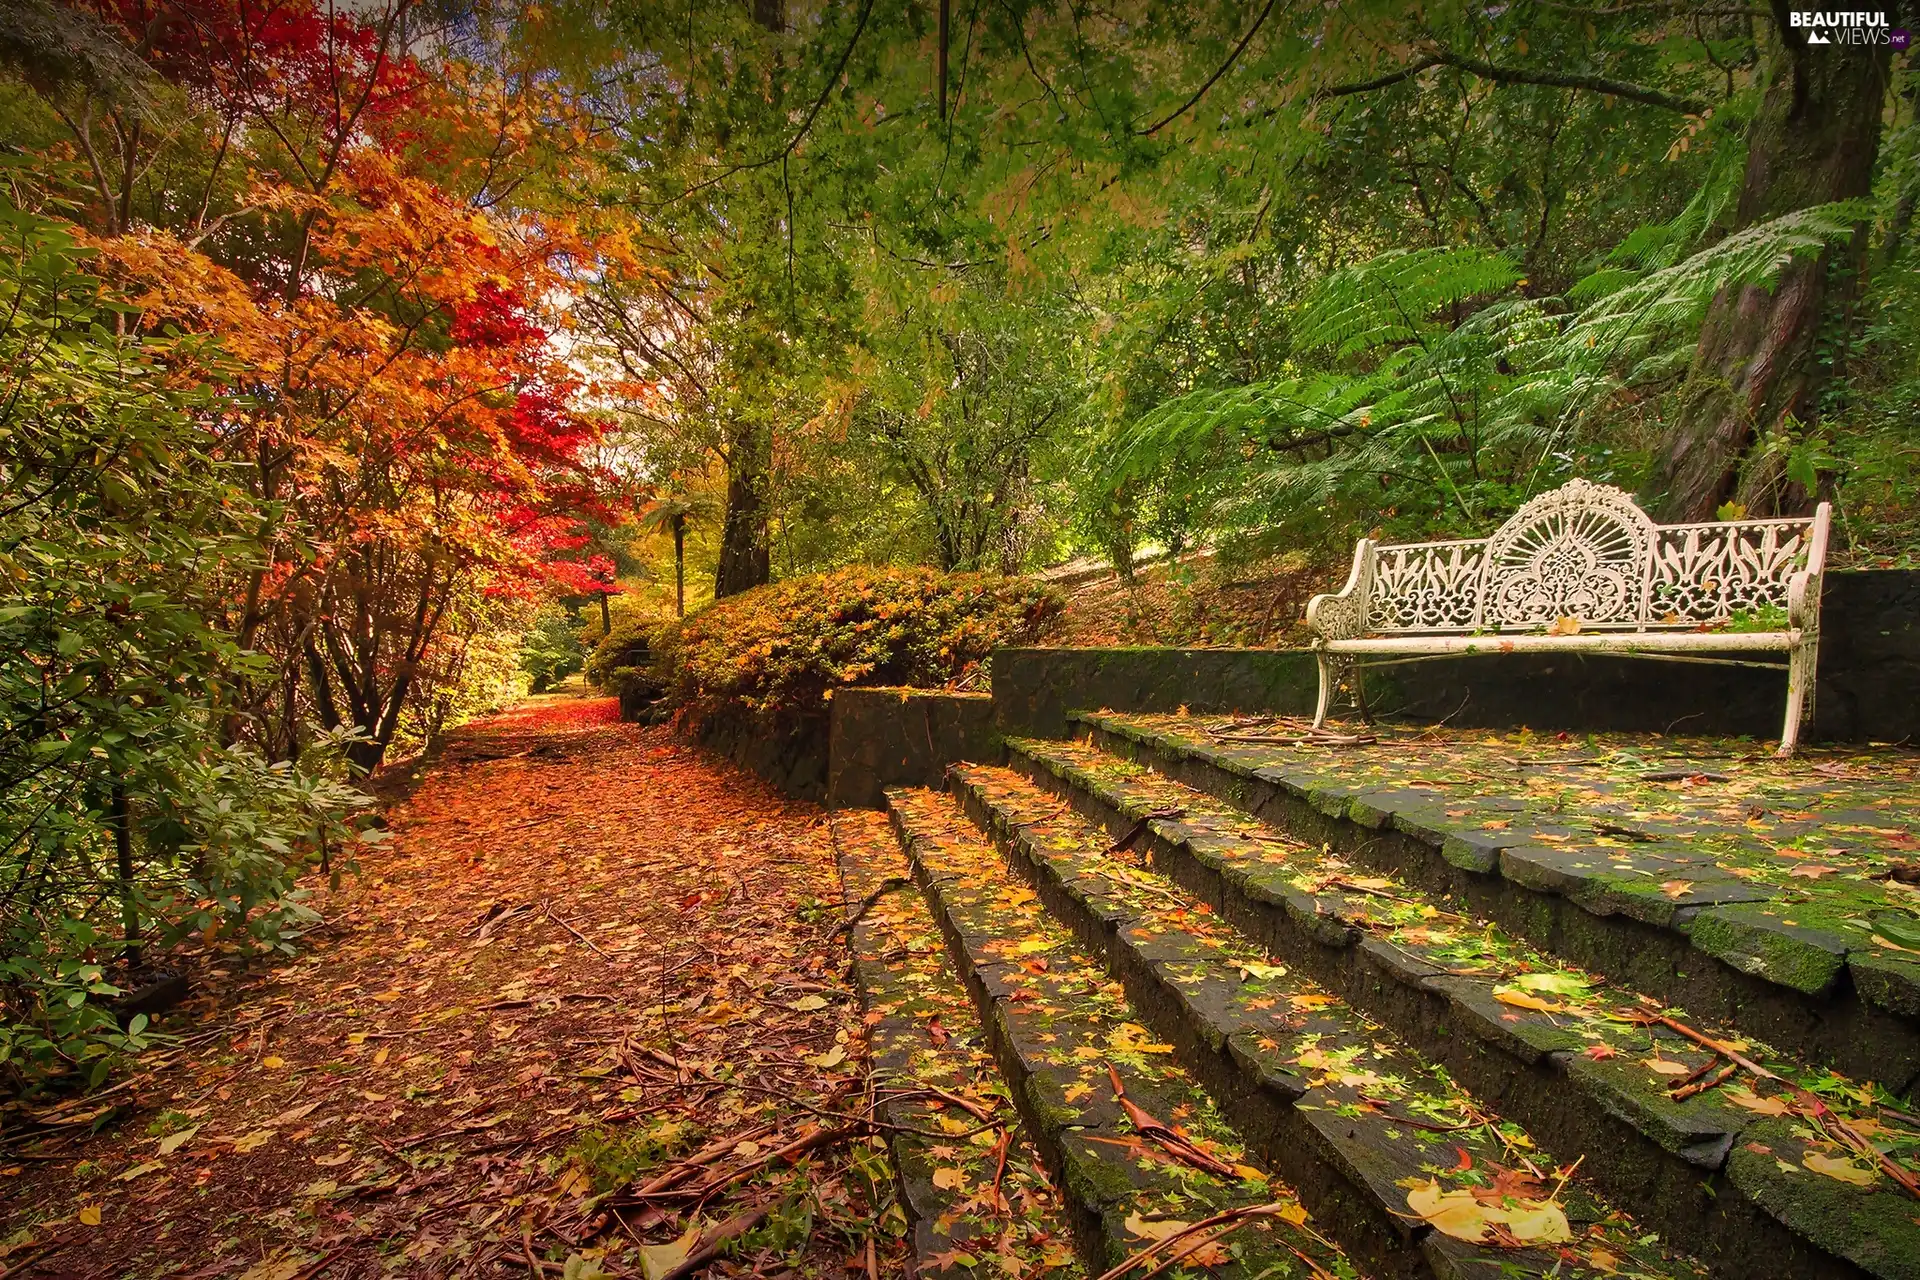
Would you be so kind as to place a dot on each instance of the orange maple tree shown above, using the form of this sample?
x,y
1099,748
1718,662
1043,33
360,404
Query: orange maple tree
x,y
395,386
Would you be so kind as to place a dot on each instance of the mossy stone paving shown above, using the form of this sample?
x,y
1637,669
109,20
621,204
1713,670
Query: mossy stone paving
x,y
1579,1063
976,1196
1058,1023
1297,1065
1787,874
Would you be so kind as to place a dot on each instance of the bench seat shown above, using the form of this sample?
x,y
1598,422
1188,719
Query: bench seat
x,y
1583,570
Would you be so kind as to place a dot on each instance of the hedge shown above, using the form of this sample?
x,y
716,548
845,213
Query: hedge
x,y
777,653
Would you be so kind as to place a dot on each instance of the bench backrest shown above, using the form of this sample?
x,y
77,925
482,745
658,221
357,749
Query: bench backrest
x,y
1587,551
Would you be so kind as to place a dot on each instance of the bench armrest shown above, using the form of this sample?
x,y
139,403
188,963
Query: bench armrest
x,y
1342,615
1803,589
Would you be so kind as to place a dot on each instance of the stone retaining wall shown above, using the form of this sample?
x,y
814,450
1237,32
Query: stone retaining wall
x,y
884,738
1869,686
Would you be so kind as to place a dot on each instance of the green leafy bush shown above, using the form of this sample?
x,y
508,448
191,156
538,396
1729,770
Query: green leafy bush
x,y
552,650
127,819
628,644
778,653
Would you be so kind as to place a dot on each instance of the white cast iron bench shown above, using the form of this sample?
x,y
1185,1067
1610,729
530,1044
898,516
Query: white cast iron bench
x,y
1584,570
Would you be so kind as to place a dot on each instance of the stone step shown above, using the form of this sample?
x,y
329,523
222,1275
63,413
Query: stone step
x,y
1363,1130
1057,1025
974,1194
1584,1066
1691,907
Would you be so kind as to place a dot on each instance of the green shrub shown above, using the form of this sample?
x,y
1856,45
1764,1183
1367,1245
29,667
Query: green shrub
x,y
629,644
551,651
778,653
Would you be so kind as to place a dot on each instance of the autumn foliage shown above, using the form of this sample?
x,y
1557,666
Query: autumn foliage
x,y
394,392
778,653
293,438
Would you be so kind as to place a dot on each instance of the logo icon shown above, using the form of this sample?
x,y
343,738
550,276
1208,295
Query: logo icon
x,y
1900,39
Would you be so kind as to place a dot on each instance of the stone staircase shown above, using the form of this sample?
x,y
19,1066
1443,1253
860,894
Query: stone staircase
x,y
1400,1034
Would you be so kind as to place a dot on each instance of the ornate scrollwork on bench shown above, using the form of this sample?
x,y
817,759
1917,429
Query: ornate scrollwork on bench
x,y
1583,568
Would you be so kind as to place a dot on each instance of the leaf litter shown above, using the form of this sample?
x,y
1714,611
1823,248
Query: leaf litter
x,y
580,1017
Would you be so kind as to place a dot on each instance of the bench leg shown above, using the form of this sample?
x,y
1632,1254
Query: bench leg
x,y
1329,680
1802,664
1333,671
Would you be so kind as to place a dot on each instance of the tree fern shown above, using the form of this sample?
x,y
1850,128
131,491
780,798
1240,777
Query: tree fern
x,y
1391,299
1469,412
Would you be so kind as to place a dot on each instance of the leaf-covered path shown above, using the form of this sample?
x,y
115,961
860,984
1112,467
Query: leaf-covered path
x,y
587,952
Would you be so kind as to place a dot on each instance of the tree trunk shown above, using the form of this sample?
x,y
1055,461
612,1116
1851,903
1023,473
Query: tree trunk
x,y
746,559
1813,142
679,566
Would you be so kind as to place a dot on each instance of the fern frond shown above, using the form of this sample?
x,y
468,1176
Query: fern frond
x,y
1624,323
1390,299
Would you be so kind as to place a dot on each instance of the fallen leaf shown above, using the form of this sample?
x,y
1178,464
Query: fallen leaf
x,y
1207,1255
252,1141
1811,871
950,1178
139,1170
174,1141
1559,984
277,1267
1600,1052
831,1058
1667,1066
1676,888
1752,1101
658,1259
300,1112
89,1215
1131,1037
1452,1213
1840,1170
273,1063
1157,1228
1521,1000
1538,1222
807,1004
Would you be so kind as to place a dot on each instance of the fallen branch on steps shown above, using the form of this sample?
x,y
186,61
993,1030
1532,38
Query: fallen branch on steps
x,y
1209,1231
1805,1102
1139,828
1174,1144
868,903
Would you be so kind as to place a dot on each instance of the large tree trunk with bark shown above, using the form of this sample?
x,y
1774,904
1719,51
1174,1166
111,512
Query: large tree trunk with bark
x,y
746,558
1813,142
